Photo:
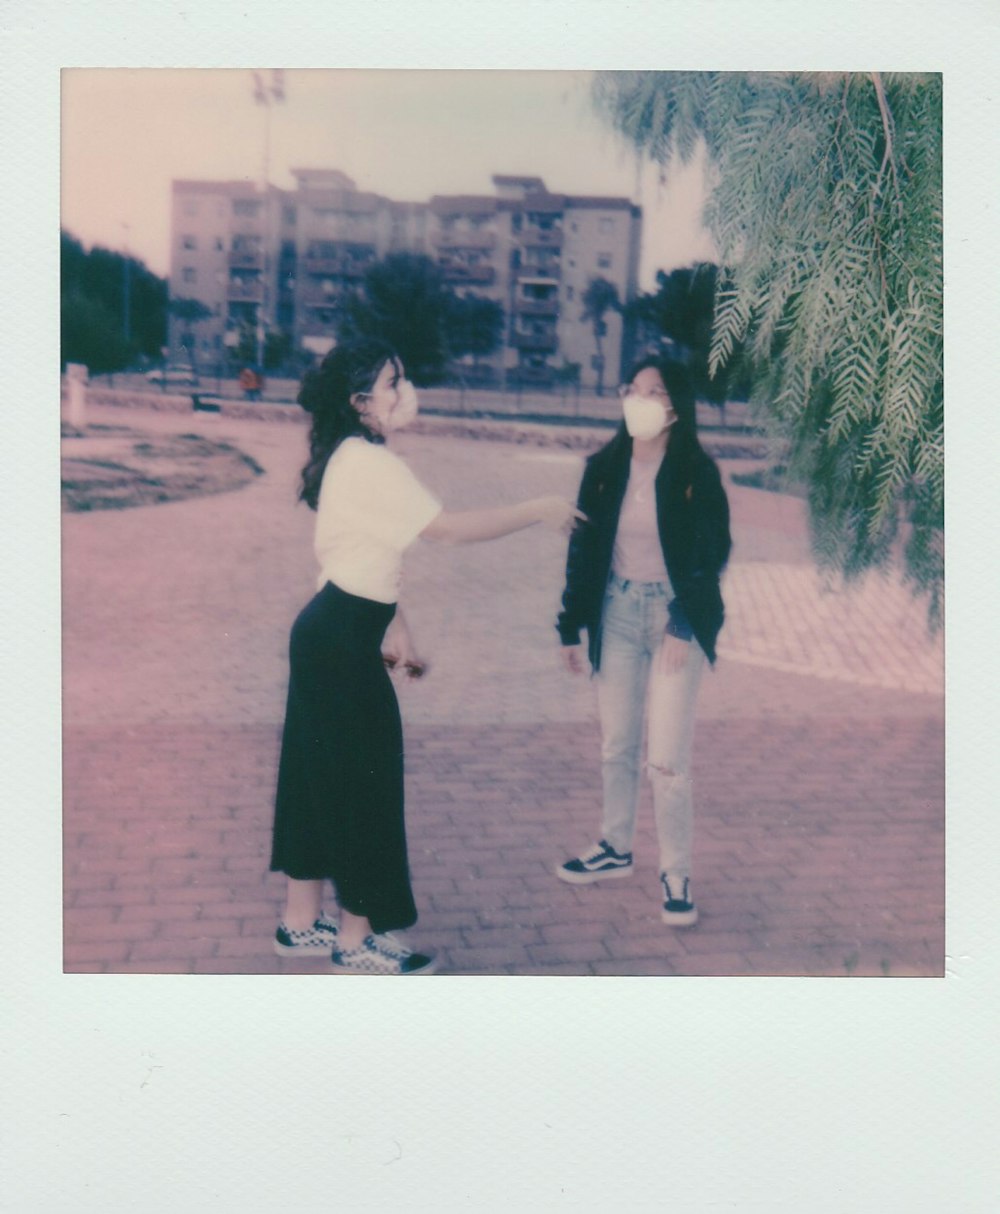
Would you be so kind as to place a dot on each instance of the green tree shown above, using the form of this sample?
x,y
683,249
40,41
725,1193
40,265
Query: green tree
x,y
599,298
682,309
826,204
404,302
91,335
95,280
472,325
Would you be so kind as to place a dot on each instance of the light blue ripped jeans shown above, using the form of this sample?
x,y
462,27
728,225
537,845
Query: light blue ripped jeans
x,y
630,686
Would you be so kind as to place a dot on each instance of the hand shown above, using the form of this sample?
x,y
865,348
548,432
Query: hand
x,y
557,513
672,655
398,651
572,658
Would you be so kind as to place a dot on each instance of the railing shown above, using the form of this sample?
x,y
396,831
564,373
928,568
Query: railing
x,y
464,240
316,297
536,307
245,259
249,292
339,267
549,270
535,341
537,237
459,273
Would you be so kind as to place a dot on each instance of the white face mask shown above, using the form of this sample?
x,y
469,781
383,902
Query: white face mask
x,y
406,407
644,418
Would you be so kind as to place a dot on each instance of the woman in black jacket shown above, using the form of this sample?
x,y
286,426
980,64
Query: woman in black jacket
x,y
642,579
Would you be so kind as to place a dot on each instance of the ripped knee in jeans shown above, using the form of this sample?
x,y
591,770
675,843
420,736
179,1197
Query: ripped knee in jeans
x,y
665,773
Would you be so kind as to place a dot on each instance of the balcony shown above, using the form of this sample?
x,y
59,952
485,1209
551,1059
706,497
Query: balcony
x,y
539,238
482,275
464,240
248,292
335,267
312,327
546,342
245,259
313,296
547,272
536,307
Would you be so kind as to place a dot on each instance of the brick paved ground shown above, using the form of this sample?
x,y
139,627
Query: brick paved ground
x,y
819,757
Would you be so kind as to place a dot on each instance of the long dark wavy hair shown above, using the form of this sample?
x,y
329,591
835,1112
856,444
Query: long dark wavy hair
x,y
683,447
326,393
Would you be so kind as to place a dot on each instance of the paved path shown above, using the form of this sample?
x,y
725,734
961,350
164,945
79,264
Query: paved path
x,y
819,758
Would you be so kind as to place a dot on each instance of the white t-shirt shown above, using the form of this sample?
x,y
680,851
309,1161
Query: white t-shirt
x,y
371,507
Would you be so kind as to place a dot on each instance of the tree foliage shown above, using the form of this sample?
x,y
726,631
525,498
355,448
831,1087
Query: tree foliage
x,y
682,309
92,289
403,302
826,203
599,297
473,325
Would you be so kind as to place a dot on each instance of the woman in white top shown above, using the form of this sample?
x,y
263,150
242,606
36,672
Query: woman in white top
x,y
339,804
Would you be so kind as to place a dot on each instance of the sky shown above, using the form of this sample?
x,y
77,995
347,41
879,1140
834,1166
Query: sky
x,y
407,134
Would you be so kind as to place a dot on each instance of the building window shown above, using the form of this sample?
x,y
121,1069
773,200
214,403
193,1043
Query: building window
x,y
515,222
289,216
604,261
569,293
219,246
246,206
189,242
606,225
189,274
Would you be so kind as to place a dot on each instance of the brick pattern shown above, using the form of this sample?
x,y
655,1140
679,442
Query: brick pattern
x,y
795,873
819,755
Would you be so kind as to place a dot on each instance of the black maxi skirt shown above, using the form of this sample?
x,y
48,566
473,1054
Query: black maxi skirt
x,y
339,804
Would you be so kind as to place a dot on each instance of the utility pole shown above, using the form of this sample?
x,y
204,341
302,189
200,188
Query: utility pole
x,y
266,95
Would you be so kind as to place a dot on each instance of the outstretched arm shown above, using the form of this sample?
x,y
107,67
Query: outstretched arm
x,y
473,526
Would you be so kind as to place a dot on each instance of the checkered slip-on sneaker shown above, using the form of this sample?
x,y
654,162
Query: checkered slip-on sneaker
x,y
601,861
678,912
383,954
316,941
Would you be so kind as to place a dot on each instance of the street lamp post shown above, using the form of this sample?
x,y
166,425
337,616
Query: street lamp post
x,y
266,95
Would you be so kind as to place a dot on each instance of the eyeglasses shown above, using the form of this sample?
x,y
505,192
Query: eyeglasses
x,y
660,394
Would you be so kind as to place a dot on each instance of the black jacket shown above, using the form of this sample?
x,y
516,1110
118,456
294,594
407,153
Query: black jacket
x,y
693,520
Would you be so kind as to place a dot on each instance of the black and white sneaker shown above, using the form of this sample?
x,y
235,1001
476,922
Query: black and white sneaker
x,y
678,912
383,954
601,861
316,941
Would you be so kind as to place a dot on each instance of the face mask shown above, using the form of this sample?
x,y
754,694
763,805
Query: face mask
x,y
406,407
644,418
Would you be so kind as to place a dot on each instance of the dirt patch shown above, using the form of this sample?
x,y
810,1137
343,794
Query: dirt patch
x,y
115,467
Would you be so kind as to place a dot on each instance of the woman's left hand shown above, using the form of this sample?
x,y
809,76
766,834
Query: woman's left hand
x,y
673,654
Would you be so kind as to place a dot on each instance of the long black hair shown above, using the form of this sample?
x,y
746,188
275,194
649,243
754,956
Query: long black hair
x,y
683,447
326,393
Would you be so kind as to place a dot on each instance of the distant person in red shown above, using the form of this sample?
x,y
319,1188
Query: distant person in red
x,y
251,383
339,804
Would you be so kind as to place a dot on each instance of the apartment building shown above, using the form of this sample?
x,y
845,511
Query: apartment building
x,y
288,259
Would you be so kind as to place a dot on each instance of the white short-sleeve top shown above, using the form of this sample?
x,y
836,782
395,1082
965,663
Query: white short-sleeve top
x,y
371,507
